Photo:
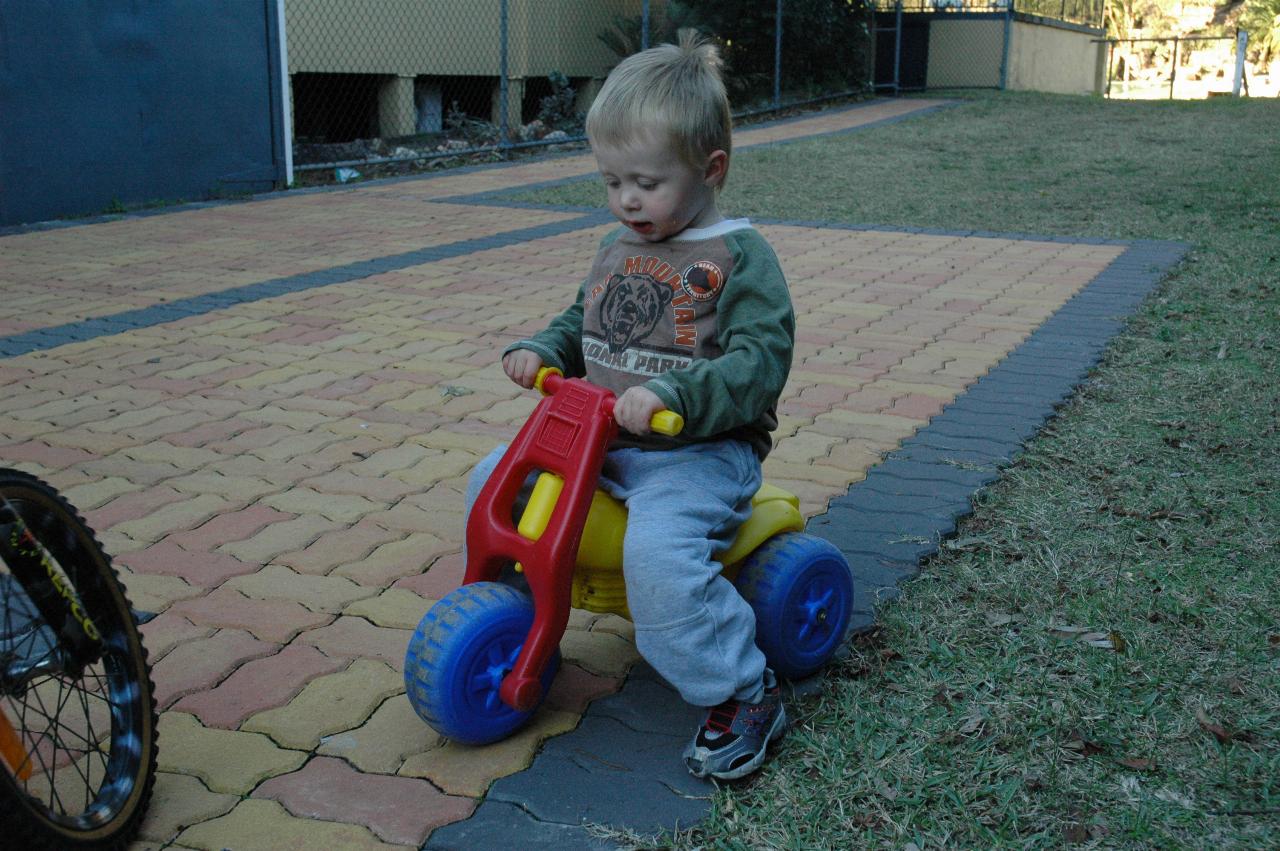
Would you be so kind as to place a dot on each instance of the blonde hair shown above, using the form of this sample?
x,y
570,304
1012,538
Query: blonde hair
x,y
676,89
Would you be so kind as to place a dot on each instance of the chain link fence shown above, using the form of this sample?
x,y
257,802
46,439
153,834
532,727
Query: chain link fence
x,y
1182,67
389,86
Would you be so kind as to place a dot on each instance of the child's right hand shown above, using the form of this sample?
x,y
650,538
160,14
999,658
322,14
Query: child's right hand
x,y
522,366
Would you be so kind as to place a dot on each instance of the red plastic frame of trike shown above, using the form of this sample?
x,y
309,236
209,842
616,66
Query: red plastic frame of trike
x,y
567,434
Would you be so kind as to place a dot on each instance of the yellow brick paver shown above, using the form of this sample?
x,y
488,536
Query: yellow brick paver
x,y
256,825
191,748
329,704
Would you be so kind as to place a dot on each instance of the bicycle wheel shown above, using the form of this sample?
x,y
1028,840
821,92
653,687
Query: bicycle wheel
x,y
77,705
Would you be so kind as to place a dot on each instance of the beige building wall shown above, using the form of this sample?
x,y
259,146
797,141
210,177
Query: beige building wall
x,y
404,40
965,53
1041,58
1054,59
410,38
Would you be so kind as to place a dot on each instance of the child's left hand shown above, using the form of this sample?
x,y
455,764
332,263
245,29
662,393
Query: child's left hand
x,y
635,407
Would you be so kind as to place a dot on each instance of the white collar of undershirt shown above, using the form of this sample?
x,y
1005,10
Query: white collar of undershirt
x,y
711,231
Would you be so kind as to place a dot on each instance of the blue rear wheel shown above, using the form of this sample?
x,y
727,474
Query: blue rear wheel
x,y
461,651
801,590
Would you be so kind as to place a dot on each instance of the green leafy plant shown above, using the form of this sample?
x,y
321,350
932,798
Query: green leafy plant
x,y
462,126
1261,19
557,111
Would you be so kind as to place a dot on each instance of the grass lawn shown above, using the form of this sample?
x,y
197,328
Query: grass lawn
x,y
1148,511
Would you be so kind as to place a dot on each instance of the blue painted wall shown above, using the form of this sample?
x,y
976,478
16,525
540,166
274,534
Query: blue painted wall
x,y
135,101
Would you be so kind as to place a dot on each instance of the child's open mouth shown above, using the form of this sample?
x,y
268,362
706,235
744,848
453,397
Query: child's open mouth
x,y
641,227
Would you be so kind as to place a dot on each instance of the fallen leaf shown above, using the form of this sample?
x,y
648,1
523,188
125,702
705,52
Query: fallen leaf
x,y
1222,350
1093,638
1002,618
1075,833
964,543
1219,732
971,725
1076,741
1273,640
1175,798
942,697
1166,514
455,390
1104,641
886,792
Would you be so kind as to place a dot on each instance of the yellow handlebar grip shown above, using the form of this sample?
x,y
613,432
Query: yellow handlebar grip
x,y
542,374
667,422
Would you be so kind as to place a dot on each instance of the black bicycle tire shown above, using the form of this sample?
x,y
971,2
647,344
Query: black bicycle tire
x,y
134,745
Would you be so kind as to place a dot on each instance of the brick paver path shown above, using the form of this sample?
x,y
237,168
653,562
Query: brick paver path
x,y
268,411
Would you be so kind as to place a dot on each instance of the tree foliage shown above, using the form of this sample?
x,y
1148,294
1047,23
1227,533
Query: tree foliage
x,y
1152,18
1261,20
826,44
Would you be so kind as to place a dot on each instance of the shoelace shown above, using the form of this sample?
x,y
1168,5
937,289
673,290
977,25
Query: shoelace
x,y
720,719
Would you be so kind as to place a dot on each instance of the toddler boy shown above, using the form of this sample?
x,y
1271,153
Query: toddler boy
x,y
684,310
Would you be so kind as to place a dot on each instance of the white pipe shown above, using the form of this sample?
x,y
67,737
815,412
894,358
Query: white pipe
x,y
285,95
1242,39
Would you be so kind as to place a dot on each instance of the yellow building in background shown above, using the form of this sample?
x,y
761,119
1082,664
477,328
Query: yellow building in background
x,y
409,60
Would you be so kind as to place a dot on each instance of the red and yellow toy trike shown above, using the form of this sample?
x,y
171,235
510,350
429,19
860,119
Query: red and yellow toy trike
x,y
483,657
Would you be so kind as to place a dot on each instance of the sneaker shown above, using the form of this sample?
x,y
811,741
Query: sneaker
x,y
732,740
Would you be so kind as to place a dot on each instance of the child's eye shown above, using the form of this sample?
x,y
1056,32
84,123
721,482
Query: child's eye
x,y
646,184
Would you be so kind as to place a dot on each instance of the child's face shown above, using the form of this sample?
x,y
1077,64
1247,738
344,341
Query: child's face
x,y
656,193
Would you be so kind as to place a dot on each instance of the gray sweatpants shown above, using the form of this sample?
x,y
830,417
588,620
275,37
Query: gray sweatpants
x,y
685,505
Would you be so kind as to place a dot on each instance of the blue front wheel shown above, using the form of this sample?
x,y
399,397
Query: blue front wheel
x,y
463,648
801,590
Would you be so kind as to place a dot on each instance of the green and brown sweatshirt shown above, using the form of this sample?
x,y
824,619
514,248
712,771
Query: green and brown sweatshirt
x,y
702,319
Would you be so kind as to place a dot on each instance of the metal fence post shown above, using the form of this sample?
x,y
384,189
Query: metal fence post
x,y
1004,54
897,48
1173,69
504,129
644,25
285,118
1111,58
1242,41
777,56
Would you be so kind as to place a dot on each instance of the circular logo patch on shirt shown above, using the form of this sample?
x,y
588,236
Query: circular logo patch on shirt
x,y
702,281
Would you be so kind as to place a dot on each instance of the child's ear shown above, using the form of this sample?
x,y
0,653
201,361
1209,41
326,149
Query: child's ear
x,y
717,168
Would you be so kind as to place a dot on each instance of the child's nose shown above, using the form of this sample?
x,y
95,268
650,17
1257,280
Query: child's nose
x,y
630,199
